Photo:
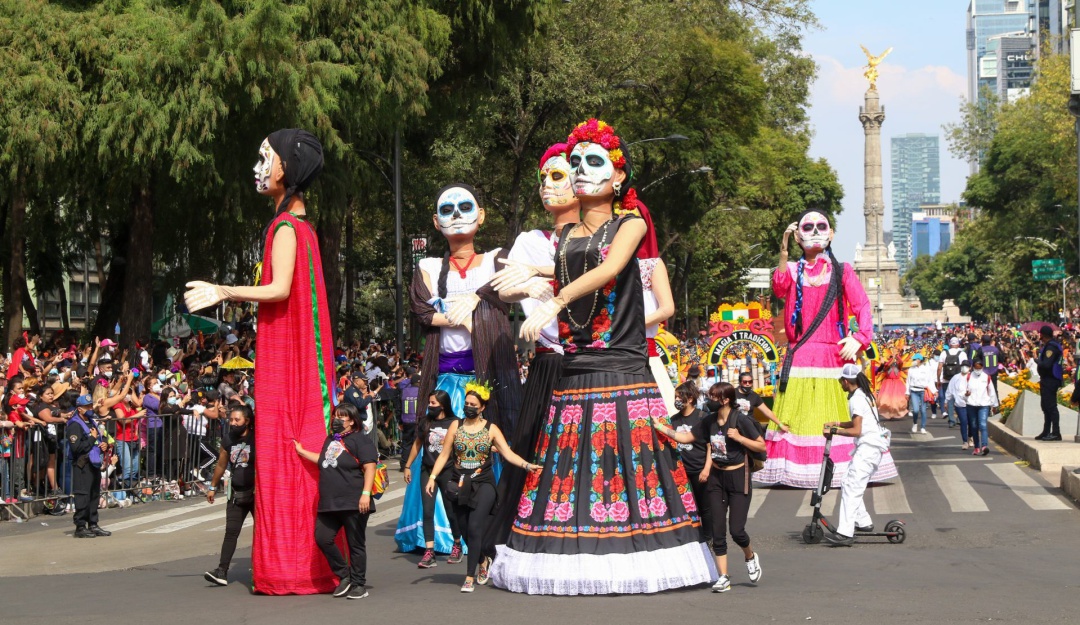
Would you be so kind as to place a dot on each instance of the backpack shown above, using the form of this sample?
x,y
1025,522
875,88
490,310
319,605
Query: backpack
x,y
951,365
755,460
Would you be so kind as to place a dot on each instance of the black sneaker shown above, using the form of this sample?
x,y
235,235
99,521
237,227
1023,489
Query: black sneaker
x,y
99,532
357,592
1052,437
343,587
84,532
839,540
217,576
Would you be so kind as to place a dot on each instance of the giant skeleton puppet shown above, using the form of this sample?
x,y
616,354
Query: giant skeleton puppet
x,y
819,293
294,370
467,335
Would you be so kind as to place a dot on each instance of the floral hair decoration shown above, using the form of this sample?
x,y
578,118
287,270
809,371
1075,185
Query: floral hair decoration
x,y
599,132
558,149
481,389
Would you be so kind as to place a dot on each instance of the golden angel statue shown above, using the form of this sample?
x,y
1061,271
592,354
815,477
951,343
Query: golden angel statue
x,y
872,62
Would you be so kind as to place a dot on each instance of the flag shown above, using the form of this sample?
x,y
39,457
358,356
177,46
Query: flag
x,y
740,313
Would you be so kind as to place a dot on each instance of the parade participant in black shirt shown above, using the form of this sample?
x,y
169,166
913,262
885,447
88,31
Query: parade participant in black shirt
x,y
690,419
1049,382
238,455
750,402
430,436
87,450
730,434
346,475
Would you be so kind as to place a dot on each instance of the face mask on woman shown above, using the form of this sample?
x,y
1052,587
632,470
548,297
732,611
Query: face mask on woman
x,y
713,405
163,376
337,426
237,431
174,400
679,404
433,412
471,412
155,389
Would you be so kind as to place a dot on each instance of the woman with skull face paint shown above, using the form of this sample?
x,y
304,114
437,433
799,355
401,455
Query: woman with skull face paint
x,y
295,368
818,291
611,511
467,335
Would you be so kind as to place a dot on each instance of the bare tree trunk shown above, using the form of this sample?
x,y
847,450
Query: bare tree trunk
x,y
350,275
29,308
329,234
65,320
136,308
16,275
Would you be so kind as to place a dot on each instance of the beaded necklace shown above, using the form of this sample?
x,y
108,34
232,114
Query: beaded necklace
x,y
565,274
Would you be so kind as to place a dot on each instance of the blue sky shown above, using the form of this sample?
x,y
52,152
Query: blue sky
x,y
920,86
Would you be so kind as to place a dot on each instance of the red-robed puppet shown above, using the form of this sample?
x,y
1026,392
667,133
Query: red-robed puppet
x,y
293,370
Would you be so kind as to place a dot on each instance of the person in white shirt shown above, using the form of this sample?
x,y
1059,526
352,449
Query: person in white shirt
x,y
921,376
949,365
980,395
954,397
871,442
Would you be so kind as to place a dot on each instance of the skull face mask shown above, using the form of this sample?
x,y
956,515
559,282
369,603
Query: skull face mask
x,y
814,232
556,190
263,167
592,169
457,212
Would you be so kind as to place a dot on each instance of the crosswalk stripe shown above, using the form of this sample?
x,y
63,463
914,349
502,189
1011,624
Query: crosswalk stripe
x,y
757,500
158,516
185,523
1025,487
828,504
384,516
961,496
890,498
248,522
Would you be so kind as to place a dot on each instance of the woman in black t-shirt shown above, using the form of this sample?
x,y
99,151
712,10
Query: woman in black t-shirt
x,y
729,434
346,474
430,435
689,419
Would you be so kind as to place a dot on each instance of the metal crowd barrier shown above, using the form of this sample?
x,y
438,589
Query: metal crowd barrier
x,y
172,457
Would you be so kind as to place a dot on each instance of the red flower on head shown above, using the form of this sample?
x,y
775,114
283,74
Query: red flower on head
x,y
599,132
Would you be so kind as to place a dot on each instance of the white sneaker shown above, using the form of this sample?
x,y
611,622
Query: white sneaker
x,y
753,567
914,429
933,416
965,445
722,585
922,430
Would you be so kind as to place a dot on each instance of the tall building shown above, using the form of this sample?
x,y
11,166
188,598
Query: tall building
x,y
933,228
916,180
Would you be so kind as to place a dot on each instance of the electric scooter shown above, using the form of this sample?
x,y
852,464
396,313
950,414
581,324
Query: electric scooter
x,y
813,533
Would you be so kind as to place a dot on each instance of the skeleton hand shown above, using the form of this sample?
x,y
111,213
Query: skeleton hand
x,y
512,275
462,309
539,319
202,295
849,347
540,290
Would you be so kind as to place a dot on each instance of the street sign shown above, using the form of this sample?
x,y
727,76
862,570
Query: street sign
x,y
1047,263
1048,269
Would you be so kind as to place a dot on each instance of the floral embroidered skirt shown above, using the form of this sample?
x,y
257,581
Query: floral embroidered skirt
x,y
612,510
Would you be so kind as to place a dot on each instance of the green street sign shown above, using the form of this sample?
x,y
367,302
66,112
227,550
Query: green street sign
x,y
1048,263
1043,276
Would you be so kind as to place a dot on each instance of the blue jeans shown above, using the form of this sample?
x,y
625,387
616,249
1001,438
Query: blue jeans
x,y
129,459
919,408
961,416
977,416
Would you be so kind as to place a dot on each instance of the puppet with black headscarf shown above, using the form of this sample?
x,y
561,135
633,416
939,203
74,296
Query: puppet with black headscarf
x,y
820,295
293,371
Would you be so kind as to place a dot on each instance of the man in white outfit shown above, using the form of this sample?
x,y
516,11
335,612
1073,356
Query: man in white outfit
x,y
871,441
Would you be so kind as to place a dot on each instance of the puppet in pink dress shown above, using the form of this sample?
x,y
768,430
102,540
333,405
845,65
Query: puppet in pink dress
x,y
808,392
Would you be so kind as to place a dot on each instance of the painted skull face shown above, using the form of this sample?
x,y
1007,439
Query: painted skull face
x,y
814,232
556,189
592,169
264,167
458,212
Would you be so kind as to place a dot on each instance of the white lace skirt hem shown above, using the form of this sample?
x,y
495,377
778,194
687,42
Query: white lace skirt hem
x,y
618,573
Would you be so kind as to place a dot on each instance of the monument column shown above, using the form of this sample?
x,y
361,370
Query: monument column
x,y
872,115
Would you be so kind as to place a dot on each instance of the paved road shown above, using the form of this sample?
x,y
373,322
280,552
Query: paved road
x,y
988,540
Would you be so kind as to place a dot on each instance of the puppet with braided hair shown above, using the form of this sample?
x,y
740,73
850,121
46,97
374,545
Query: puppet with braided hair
x,y
818,291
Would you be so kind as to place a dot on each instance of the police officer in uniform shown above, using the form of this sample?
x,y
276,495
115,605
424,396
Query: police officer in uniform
x,y
87,451
1049,383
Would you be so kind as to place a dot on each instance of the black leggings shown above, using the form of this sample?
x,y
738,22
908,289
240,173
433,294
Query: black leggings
x,y
475,522
235,515
327,525
441,481
704,506
726,493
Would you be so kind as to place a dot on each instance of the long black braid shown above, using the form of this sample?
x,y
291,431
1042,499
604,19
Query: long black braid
x,y
444,272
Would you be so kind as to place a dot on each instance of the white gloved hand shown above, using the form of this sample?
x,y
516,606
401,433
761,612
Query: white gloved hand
x,y
849,348
202,295
539,319
540,290
462,308
514,274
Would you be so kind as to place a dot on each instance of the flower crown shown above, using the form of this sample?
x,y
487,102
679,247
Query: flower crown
x,y
482,389
599,132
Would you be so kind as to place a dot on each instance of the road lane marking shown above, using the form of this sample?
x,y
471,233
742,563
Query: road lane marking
x,y
828,504
961,496
185,523
1025,487
248,522
890,498
158,516
384,516
756,501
